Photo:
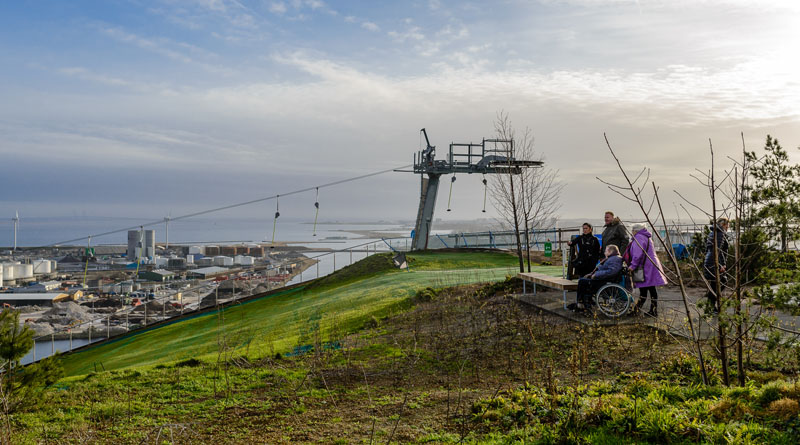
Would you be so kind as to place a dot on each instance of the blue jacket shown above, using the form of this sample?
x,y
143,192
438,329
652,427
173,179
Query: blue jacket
x,y
609,268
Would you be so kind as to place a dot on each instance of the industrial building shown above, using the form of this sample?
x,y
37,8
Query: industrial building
x,y
42,287
37,299
160,275
207,272
141,244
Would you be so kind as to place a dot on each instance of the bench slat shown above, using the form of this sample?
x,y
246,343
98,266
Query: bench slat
x,y
548,281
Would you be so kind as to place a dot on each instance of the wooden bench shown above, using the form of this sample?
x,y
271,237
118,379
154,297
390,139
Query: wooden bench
x,y
541,279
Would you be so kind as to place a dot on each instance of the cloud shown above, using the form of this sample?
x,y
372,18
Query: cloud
x,y
412,33
277,8
178,51
369,26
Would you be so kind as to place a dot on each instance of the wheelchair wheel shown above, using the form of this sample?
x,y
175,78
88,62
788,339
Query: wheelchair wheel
x,y
613,300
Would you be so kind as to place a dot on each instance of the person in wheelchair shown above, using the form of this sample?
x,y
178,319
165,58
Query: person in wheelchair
x,y
608,270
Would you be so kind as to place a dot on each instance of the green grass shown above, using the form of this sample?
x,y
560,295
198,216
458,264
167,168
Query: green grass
x,y
339,303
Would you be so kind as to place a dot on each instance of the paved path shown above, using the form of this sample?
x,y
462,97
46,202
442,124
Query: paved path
x,y
671,313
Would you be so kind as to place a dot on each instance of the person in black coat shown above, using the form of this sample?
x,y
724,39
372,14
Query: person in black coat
x,y
716,236
588,251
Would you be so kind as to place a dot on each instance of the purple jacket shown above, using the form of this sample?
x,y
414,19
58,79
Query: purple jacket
x,y
653,271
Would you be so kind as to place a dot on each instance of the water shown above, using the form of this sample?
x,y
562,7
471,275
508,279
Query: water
x,y
41,231
45,348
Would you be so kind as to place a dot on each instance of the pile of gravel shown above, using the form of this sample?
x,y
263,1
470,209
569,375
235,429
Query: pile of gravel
x,y
66,313
41,328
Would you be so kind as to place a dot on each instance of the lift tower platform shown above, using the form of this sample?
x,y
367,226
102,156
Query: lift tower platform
x,y
491,156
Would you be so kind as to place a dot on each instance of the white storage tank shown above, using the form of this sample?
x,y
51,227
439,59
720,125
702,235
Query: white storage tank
x,y
223,261
53,265
245,260
189,259
195,250
8,271
1,275
125,288
41,266
161,261
22,271
203,262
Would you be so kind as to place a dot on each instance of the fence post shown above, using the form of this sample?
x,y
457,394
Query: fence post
x,y
90,332
317,268
34,349
351,255
108,327
70,339
53,344
145,312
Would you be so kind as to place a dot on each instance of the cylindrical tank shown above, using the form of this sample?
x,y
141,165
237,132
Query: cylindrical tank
x,y
41,266
204,262
23,271
194,250
53,265
212,250
223,261
8,271
161,261
189,259
1,275
247,261
126,288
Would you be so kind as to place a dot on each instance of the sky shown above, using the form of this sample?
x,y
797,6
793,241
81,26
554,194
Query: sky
x,y
148,108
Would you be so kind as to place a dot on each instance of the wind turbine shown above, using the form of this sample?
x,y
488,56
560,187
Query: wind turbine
x,y
16,224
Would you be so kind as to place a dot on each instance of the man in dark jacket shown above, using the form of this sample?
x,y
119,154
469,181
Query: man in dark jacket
x,y
588,251
716,236
608,269
614,232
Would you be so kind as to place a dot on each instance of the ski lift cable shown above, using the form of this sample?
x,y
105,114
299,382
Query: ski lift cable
x,y
86,268
452,180
484,193
228,207
316,213
275,220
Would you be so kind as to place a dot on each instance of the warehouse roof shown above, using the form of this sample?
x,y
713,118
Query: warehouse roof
x,y
34,296
209,270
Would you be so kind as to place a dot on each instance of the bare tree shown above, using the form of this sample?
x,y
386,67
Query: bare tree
x,y
530,199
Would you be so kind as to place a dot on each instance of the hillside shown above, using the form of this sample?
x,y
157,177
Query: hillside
x,y
363,357
282,320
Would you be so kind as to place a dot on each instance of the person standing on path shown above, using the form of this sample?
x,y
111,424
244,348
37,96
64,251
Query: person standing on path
x,y
643,256
589,251
614,232
716,236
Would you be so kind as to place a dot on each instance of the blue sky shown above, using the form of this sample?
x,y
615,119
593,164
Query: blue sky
x,y
148,107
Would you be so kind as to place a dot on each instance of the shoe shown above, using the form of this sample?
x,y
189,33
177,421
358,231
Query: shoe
x,y
653,312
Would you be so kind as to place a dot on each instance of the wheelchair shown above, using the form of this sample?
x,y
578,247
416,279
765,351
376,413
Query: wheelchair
x,y
614,298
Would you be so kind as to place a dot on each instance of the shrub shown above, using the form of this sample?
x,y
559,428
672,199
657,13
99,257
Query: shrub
x,y
784,408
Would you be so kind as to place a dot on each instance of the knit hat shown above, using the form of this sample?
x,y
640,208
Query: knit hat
x,y
637,227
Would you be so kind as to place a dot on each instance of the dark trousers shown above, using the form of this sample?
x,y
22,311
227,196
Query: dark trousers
x,y
712,294
643,291
583,269
587,287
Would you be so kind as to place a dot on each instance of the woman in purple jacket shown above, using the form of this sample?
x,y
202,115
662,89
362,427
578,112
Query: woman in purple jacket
x,y
642,255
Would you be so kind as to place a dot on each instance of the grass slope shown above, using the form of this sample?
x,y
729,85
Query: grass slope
x,y
341,302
